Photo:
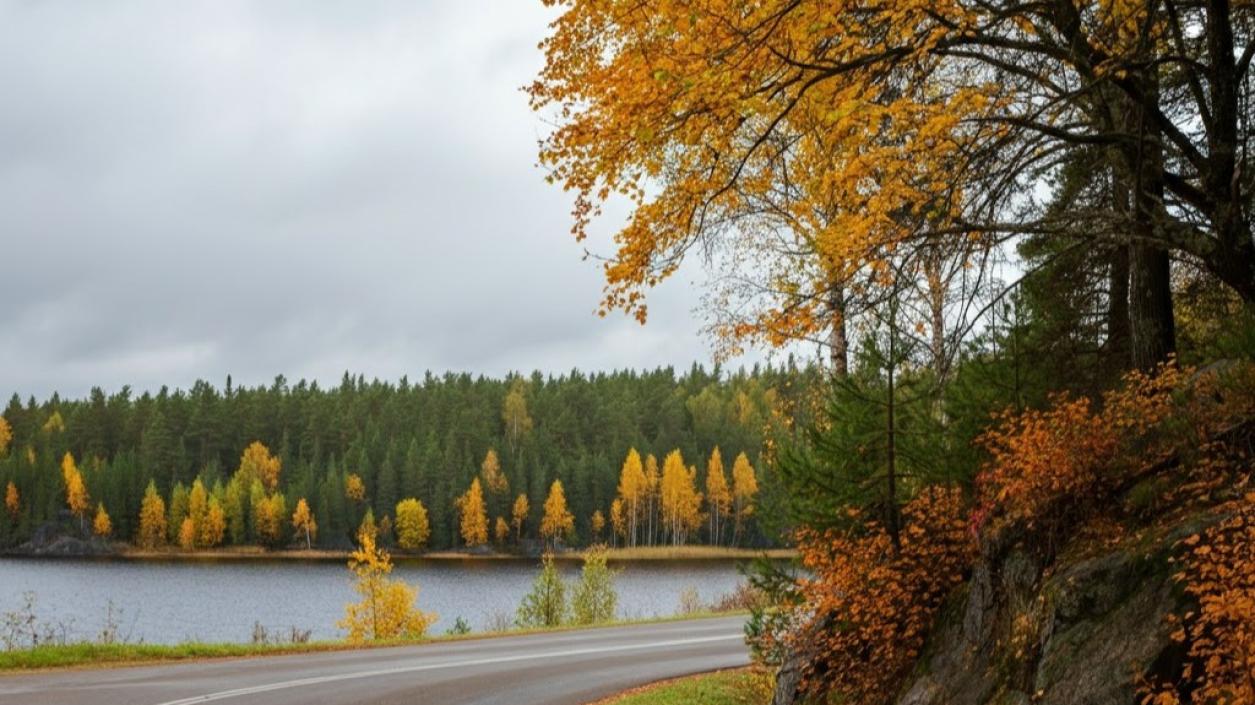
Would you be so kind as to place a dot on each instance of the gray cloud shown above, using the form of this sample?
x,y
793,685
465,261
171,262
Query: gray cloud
x,y
194,189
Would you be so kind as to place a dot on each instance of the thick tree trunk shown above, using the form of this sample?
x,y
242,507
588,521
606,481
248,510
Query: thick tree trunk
x,y
1150,305
1150,282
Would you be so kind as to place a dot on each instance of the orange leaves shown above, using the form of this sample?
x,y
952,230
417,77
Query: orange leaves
x,y
558,522
1049,467
12,500
152,519
257,463
707,116
1219,634
354,487
875,605
474,515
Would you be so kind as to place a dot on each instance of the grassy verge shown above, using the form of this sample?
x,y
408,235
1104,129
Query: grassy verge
x,y
80,655
740,687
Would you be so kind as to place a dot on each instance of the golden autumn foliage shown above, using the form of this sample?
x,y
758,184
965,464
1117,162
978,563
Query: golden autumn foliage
x,y
869,607
557,522
388,608
354,488
633,492
269,516
257,463
214,527
187,534
1219,634
12,500
152,519
490,471
817,139
618,524
680,501
473,515
696,112
76,497
744,489
1049,468
412,525
303,522
718,495
518,515
501,531
6,436
54,424
597,523
102,525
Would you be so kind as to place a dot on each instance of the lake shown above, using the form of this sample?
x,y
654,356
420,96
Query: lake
x,y
170,602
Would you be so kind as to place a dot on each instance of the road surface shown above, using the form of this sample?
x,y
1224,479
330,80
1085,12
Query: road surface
x,y
563,668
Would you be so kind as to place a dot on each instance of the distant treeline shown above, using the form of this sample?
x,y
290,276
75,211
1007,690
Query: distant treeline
x,y
425,440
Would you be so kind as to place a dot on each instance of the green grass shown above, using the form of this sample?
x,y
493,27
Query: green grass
x,y
93,654
741,687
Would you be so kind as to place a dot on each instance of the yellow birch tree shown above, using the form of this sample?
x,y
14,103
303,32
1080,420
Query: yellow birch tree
x,y
102,525
558,522
412,528
474,515
152,518
303,522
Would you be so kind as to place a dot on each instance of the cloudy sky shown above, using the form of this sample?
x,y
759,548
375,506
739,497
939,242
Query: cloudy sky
x,y
194,189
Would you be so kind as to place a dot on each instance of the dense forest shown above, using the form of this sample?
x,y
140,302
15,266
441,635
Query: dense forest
x,y
1022,233
352,453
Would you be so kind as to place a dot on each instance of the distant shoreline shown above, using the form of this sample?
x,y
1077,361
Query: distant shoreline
x,y
252,553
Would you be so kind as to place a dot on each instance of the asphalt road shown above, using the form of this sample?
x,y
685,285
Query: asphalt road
x,y
565,668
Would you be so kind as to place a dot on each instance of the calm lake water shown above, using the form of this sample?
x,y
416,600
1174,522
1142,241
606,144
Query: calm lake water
x,y
169,602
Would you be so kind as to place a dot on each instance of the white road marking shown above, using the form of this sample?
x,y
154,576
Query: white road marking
x,y
282,685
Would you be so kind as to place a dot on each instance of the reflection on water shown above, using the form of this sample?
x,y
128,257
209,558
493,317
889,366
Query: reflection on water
x,y
220,601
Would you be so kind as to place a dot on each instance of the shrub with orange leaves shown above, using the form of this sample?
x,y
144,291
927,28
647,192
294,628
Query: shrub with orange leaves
x,y
1049,469
1219,634
867,608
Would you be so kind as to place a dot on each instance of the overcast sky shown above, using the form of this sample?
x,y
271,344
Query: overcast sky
x,y
191,189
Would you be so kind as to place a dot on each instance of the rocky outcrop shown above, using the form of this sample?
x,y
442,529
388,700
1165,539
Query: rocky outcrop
x,y
52,539
1083,632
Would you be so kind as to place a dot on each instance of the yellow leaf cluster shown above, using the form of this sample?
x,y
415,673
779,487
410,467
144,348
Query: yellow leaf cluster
x,y
474,515
557,522
388,608
412,525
